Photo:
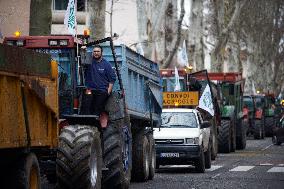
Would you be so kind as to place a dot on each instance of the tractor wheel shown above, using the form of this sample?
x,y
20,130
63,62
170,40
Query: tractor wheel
x,y
207,155
269,125
263,129
117,154
152,156
224,137
275,141
242,139
233,136
141,162
257,131
200,163
26,173
79,158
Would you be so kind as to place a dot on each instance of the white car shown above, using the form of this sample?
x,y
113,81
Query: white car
x,y
184,138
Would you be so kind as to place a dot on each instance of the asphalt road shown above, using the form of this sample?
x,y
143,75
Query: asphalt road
x,y
260,165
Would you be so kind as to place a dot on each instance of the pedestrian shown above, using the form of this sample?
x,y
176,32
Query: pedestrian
x,y
100,78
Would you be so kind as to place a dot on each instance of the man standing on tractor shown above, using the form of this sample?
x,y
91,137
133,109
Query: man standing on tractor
x,y
100,78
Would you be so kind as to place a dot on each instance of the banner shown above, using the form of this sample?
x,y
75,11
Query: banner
x,y
182,56
205,101
177,84
70,17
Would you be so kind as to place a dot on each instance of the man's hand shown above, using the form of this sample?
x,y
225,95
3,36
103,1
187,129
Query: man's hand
x,y
110,85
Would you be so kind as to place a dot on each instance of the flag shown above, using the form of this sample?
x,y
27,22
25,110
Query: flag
x,y
70,17
177,84
205,101
139,49
253,89
182,56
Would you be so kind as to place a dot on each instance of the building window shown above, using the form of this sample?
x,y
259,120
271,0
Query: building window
x,y
62,5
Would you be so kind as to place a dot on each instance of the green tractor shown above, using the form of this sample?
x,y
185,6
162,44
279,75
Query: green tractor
x,y
227,93
270,114
256,115
232,134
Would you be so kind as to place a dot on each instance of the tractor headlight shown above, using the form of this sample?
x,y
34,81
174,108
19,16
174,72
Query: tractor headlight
x,y
192,140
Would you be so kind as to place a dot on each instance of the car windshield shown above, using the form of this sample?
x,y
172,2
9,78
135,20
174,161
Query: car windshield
x,y
179,119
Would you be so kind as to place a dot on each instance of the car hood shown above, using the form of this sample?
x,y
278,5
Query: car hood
x,y
176,133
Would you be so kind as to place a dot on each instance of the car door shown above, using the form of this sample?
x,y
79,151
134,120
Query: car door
x,y
205,132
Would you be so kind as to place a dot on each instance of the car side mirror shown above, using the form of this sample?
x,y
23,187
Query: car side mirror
x,y
205,124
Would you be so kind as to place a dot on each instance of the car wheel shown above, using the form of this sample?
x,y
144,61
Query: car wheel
x,y
200,163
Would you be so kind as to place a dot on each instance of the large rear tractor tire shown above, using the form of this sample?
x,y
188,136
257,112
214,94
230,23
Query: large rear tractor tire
x,y
152,156
242,137
26,173
233,136
224,137
117,154
141,161
79,158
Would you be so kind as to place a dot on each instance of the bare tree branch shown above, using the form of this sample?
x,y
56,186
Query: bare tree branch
x,y
169,58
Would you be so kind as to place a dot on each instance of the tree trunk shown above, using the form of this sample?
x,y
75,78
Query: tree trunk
x,y
40,17
96,18
170,48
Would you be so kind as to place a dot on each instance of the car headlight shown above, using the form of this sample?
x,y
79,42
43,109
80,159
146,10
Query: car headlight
x,y
192,140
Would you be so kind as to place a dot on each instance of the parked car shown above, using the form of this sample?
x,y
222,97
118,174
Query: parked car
x,y
278,133
184,138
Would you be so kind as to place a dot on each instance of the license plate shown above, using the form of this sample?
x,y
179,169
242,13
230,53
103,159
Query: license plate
x,y
169,154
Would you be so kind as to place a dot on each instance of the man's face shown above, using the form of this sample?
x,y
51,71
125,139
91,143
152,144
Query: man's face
x,y
97,53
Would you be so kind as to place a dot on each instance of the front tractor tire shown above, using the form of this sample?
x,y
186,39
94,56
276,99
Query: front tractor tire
x,y
258,129
152,156
79,158
241,138
117,155
141,157
224,137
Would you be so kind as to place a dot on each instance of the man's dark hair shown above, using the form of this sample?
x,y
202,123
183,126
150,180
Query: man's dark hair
x,y
98,46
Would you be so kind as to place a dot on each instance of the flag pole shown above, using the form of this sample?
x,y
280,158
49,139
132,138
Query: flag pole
x,y
77,46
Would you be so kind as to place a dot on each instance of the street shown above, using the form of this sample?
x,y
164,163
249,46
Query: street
x,y
260,165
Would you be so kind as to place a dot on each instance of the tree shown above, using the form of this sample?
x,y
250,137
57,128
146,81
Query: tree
x,y
96,18
40,17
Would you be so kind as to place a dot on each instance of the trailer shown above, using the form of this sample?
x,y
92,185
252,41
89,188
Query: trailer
x,y
125,149
28,114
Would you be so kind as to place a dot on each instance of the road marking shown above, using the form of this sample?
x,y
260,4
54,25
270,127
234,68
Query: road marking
x,y
276,170
266,147
216,175
178,166
242,168
265,164
214,167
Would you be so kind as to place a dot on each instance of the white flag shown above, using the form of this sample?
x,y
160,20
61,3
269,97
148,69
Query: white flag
x,y
205,101
70,17
182,56
253,89
177,84
139,49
